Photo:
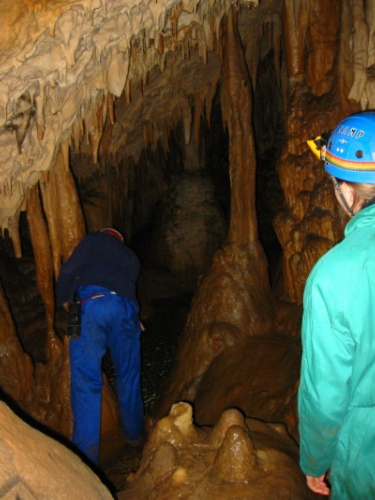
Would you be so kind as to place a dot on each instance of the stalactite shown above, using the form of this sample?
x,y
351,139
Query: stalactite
x,y
186,121
77,133
106,138
345,64
64,153
175,14
24,112
234,299
209,99
209,28
360,55
159,41
198,109
96,128
43,260
323,36
118,72
14,232
295,22
370,18
202,46
111,108
237,112
39,111
370,84
49,192
70,218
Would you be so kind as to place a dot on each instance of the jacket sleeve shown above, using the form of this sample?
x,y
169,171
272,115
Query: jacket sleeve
x,y
328,351
71,270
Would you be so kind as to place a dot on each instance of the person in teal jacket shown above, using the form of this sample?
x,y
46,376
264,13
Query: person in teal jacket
x,y
336,399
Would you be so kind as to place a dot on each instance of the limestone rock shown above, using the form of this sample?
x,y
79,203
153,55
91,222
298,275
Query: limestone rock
x,y
33,465
238,458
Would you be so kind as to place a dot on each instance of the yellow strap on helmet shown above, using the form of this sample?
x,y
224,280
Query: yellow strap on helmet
x,y
316,145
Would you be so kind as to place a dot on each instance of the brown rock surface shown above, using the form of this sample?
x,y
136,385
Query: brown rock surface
x,y
33,465
238,458
259,375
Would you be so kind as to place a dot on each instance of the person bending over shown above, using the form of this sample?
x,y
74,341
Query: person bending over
x,y
101,274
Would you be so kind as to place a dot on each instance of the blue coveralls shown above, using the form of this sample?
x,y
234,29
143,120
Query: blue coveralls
x,y
108,320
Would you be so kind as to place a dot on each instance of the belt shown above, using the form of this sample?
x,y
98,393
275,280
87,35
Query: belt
x,y
98,296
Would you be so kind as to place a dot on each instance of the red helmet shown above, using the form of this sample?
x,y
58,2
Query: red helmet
x,y
113,232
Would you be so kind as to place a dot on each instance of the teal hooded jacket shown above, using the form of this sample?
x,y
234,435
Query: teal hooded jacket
x,y
336,399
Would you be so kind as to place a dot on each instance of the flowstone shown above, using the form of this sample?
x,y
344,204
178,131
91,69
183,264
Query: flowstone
x,y
238,458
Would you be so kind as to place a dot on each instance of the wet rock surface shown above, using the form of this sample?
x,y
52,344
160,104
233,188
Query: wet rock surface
x,y
238,458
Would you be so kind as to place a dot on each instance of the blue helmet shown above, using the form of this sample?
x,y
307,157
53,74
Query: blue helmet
x,y
350,149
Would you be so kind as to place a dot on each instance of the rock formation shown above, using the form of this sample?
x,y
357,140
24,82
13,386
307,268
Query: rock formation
x,y
238,458
33,465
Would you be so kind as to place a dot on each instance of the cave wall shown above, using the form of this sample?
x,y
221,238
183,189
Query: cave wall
x,y
319,52
317,84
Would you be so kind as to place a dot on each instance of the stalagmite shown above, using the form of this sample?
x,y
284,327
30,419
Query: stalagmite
x,y
177,428
254,460
234,300
236,458
229,418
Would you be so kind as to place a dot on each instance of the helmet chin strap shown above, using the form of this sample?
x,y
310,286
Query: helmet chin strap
x,y
342,197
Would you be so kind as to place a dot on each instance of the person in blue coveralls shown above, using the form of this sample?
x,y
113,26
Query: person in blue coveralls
x,y
101,274
336,397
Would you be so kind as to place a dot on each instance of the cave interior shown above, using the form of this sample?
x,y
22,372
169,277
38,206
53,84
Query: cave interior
x,y
182,124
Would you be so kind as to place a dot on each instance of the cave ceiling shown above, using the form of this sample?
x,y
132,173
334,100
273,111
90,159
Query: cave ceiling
x,y
111,77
